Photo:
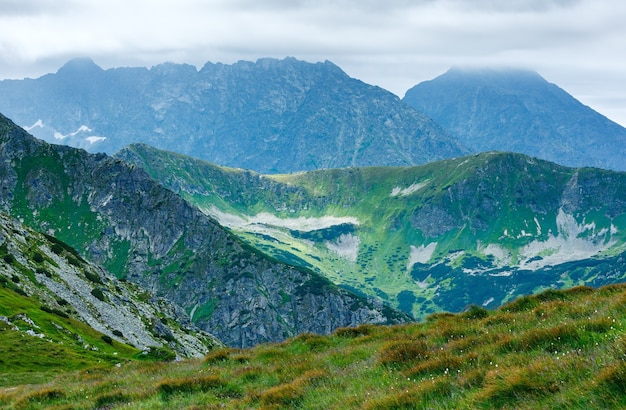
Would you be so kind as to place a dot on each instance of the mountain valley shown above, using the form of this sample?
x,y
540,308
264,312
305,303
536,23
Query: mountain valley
x,y
118,217
277,234
480,230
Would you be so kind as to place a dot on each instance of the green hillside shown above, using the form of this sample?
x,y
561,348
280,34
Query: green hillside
x,y
558,350
59,313
474,230
117,216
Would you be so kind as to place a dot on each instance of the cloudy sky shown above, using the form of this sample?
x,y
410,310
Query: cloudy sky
x,y
578,44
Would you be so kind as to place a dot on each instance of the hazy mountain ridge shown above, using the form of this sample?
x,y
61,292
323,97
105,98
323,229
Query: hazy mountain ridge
x,y
117,216
519,111
271,116
481,229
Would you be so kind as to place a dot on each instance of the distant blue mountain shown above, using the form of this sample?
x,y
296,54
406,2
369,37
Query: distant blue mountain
x,y
270,116
519,111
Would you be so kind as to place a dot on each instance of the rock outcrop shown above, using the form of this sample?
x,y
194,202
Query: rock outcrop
x,y
117,216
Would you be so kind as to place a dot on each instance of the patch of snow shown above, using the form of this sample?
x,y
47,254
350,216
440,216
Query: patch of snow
x,y
94,139
572,242
193,311
38,124
538,227
488,301
82,128
502,274
346,246
421,254
421,284
408,191
500,255
567,246
59,136
301,223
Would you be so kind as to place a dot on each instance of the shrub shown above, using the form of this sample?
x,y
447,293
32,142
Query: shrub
x,y
402,353
98,294
43,271
520,305
107,339
57,248
73,261
475,312
118,333
159,353
8,258
20,291
38,258
93,277
54,311
352,332
219,355
189,385
108,401
46,395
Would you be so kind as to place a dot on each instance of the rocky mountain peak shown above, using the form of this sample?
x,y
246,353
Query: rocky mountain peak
x,y
495,109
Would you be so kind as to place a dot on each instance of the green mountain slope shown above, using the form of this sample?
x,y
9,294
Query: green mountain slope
x,y
556,350
117,216
59,312
475,230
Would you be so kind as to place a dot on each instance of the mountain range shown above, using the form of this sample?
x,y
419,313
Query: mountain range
x,y
519,111
482,229
281,116
111,262
270,116
115,215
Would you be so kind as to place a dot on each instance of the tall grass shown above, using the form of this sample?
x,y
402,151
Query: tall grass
x,y
555,350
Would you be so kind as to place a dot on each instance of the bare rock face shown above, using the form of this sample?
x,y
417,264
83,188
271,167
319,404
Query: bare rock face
x,y
51,273
271,116
117,216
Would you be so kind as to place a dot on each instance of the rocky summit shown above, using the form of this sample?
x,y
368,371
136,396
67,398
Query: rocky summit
x,y
519,111
117,216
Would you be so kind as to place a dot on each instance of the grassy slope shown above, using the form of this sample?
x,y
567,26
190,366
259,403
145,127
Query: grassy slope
x,y
483,197
68,343
559,349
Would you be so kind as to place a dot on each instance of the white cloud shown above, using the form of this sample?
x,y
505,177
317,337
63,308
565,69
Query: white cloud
x,y
576,44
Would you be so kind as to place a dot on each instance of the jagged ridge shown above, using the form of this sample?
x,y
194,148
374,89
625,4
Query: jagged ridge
x,y
271,116
478,230
117,216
